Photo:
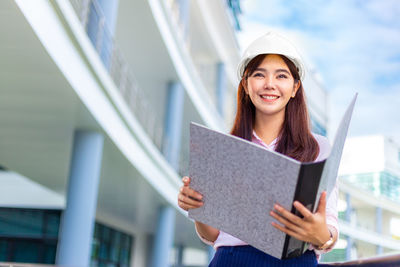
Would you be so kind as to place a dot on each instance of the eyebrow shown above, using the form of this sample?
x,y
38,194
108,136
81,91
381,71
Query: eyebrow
x,y
276,71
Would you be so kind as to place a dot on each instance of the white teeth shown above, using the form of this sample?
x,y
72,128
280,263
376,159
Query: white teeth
x,y
269,97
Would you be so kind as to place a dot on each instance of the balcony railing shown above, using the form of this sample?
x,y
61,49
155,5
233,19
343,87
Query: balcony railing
x,y
235,9
94,23
380,261
203,73
17,264
380,184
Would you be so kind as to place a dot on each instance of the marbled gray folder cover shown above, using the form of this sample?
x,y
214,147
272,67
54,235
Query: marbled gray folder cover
x,y
240,181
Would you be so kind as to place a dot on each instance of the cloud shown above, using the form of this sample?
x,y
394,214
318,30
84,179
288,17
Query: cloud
x,y
354,45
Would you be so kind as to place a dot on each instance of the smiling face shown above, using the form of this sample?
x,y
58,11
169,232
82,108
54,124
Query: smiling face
x,y
271,86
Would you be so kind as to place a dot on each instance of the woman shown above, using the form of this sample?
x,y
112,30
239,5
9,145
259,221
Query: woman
x,y
272,112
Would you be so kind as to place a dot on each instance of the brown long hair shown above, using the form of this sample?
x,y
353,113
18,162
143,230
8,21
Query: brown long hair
x,y
295,139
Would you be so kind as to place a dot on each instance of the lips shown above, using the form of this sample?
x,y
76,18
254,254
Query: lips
x,y
269,98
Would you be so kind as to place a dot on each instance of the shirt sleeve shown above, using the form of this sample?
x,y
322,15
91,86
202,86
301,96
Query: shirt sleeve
x,y
331,205
203,239
331,219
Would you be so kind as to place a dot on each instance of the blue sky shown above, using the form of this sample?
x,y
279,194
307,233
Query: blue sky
x,y
353,44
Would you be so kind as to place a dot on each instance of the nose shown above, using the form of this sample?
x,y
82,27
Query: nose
x,y
269,82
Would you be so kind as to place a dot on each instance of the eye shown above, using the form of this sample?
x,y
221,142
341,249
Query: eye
x,y
282,76
258,74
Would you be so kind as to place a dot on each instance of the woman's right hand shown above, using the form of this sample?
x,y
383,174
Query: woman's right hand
x,y
190,199
187,197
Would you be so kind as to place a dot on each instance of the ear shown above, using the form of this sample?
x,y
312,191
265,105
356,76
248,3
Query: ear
x,y
296,87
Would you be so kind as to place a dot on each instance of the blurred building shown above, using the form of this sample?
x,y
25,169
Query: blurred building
x,y
96,97
369,200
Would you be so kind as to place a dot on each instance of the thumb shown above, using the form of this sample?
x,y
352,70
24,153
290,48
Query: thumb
x,y
322,203
186,181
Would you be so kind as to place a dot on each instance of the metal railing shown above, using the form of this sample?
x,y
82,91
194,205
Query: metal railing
x,y
203,74
17,264
93,21
379,261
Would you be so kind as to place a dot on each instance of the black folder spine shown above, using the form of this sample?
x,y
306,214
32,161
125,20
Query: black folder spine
x,y
306,193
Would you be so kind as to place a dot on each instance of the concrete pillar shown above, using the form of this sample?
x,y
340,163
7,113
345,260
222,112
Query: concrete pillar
x,y
179,256
348,216
221,88
349,208
164,238
378,228
101,27
77,223
349,248
173,124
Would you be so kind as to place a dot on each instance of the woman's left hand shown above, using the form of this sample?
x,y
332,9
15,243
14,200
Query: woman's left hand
x,y
312,228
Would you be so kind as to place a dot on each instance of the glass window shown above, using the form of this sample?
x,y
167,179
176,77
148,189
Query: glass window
x,y
380,183
21,222
28,235
3,250
334,256
390,186
52,224
103,255
115,246
110,247
106,234
50,250
95,248
25,251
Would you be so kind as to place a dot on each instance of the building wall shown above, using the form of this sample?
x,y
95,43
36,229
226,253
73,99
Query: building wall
x,y
115,83
369,173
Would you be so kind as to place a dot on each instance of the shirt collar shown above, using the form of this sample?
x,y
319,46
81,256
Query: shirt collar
x,y
258,140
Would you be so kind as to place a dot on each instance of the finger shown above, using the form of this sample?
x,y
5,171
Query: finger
x,y
286,222
322,203
186,190
303,210
288,215
186,181
189,201
186,206
288,231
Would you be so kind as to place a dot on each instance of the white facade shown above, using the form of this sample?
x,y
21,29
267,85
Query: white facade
x,y
69,65
369,201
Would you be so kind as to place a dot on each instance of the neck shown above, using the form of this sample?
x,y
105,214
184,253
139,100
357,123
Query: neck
x,y
268,127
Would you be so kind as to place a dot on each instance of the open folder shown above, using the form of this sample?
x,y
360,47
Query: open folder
x,y
241,181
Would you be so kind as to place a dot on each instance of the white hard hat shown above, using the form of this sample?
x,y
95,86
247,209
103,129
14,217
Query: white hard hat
x,y
271,43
